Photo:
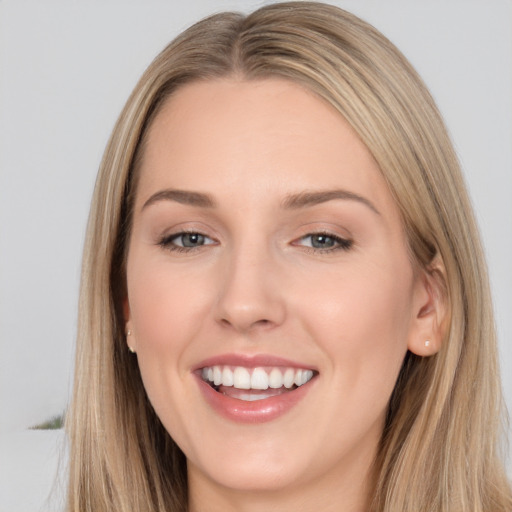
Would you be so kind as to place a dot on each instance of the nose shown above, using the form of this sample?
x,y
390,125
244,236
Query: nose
x,y
251,296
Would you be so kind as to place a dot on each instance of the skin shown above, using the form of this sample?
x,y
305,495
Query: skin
x,y
256,286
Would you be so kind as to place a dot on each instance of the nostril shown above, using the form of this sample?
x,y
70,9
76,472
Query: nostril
x,y
250,325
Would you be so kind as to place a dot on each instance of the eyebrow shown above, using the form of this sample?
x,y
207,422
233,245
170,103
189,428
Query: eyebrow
x,y
291,202
306,199
183,197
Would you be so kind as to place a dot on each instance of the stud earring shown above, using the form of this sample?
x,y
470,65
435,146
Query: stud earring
x,y
427,343
130,348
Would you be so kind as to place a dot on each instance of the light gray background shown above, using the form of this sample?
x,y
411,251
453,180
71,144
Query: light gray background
x,y
66,69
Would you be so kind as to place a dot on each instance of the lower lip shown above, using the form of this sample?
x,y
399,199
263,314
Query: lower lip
x,y
258,411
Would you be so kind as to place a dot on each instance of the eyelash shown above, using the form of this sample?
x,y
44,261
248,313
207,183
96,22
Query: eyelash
x,y
343,244
167,242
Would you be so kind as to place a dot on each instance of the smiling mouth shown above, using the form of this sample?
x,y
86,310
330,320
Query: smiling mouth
x,y
250,384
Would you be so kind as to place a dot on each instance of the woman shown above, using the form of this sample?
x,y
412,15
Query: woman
x,y
284,301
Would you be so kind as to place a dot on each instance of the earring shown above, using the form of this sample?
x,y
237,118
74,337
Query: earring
x,y
427,343
130,348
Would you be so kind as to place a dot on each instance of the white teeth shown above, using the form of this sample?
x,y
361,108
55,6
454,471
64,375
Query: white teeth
x,y
217,375
227,377
241,378
275,379
260,378
289,377
248,397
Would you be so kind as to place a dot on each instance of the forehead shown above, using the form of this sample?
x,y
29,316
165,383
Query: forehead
x,y
273,133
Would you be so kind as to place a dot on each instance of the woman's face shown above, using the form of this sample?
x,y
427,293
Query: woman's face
x,y
267,252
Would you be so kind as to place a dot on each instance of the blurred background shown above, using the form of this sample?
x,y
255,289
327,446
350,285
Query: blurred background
x,y
66,69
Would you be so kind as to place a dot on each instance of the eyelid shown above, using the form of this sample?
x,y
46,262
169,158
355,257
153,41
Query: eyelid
x,y
342,243
181,233
167,240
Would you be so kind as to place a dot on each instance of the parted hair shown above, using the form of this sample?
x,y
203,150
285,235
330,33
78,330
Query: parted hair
x,y
440,448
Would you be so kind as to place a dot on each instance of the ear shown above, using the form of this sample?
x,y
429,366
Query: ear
x,y
430,310
130,338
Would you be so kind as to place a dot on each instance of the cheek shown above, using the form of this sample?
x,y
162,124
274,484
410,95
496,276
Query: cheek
x,y
165,307
361,318
165,312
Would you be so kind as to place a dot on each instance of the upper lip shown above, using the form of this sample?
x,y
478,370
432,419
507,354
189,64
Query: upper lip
x,y
251,361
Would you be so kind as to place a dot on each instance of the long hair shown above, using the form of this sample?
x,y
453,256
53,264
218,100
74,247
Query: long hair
x,y
440,447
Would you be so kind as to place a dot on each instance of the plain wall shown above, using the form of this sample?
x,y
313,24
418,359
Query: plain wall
x,y
66,69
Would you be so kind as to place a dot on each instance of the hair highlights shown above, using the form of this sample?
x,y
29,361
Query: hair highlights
x,y
439,448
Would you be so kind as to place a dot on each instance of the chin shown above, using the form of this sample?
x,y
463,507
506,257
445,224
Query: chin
x,y
254,477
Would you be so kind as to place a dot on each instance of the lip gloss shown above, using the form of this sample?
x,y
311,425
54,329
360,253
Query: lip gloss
x,y
252,361
257,411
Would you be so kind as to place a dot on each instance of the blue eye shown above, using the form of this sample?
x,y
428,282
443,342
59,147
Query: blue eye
x,y
322,241
325,242
185,241
189,240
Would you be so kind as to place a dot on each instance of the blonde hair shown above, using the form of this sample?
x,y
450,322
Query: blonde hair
x,y
440,447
